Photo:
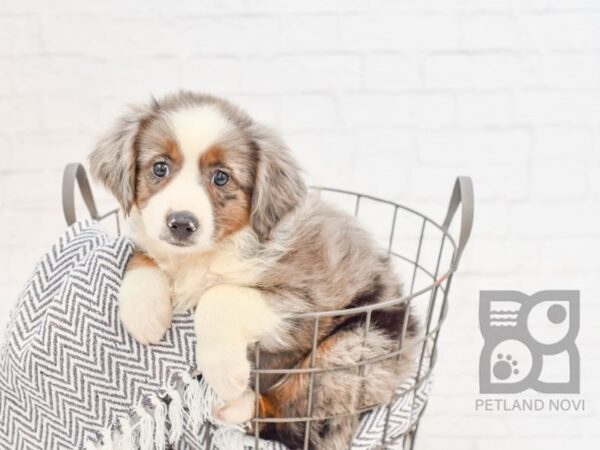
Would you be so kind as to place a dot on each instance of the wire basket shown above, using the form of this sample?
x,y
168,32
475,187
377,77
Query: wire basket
x,y
423,251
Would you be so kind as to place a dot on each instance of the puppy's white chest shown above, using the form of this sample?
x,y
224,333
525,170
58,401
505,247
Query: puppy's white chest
x,y
188,284
191,277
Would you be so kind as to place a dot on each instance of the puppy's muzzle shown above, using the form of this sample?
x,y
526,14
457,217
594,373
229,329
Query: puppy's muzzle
x,y
182,225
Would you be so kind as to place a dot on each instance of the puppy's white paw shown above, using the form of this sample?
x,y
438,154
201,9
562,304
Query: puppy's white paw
x,y
145,304
239,410
225,368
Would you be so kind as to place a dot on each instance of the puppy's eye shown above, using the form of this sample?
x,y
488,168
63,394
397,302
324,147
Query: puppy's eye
x,y
220,178
160,169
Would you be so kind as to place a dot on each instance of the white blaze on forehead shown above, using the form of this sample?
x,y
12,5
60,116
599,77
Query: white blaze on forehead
x,y
197,129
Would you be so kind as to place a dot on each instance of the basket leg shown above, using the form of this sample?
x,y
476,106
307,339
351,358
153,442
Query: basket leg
x,y
207,435
412,437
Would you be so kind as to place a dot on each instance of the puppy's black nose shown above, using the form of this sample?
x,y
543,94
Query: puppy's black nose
x,y
182,224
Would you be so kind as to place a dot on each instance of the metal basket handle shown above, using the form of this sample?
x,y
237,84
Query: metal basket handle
x,y
461,195
74,172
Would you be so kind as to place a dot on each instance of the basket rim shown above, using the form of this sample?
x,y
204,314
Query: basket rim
x,y
75,173
436,281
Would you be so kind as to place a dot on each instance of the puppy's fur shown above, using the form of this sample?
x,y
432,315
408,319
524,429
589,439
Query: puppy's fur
x,y
262,250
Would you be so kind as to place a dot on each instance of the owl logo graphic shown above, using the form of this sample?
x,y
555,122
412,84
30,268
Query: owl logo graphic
x,y
529,342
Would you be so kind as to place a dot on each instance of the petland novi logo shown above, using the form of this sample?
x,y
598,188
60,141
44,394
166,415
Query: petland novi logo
x,y
529,343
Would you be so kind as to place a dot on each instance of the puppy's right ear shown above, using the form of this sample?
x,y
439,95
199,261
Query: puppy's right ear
x,y
113,161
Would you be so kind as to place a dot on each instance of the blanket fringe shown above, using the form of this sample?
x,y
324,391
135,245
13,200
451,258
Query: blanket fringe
x,y
154,422
128,436
193,396
175,415
146,423
160,419
229,438
107,440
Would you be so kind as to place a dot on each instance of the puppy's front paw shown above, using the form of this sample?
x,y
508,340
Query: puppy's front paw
x,y
240,410
145,305
225,368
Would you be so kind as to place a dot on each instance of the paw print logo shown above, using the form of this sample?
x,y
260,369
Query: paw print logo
x,y
510,362
527,340
505,367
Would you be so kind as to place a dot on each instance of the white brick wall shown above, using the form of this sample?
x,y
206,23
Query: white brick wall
x,y
390,97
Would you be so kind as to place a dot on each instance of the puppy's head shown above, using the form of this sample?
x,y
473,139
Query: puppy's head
x,y
197,169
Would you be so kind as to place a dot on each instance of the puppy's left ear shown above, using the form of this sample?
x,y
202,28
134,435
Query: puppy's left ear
x,y
278,187
113,161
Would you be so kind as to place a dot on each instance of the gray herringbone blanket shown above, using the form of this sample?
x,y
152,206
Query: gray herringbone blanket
x,y
72,377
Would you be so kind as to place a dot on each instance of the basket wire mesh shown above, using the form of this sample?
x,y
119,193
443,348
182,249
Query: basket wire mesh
x,y
428,270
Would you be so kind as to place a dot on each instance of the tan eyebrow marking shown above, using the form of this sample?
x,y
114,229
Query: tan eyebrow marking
x,y
173,152
212,157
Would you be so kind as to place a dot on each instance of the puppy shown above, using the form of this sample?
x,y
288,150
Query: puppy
x,y
223,223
